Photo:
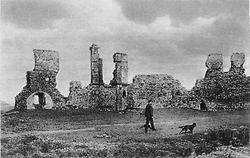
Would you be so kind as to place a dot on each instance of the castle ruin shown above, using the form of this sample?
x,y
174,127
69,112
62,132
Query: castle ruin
x,y
40,91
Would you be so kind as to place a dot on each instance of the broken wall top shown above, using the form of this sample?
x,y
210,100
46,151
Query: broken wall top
x,y
120,57
46,60
214,61
94,52
237,59
74,84
94,48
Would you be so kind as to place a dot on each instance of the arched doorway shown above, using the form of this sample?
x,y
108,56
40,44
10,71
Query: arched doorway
x,y
39,100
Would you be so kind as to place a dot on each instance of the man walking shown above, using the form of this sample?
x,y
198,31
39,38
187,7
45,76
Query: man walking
x,y
149,116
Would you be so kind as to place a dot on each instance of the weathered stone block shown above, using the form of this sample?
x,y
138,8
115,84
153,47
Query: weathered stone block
x,y
120,57
214,64
214,61
78,96
46,60
120,74
237,59
73,85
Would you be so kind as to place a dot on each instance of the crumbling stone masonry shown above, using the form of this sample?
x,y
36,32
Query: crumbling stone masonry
x,y
96,66
229,89
98,95
162,89
237,61
120,74
40,90
214,65
120,79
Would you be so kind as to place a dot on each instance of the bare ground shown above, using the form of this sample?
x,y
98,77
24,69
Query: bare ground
x,y
108,129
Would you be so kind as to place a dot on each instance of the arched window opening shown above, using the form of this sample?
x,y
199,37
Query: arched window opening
x,y
124,94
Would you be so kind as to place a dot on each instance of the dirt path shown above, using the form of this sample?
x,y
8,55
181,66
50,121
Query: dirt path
x,y
170,127
70,131
166,124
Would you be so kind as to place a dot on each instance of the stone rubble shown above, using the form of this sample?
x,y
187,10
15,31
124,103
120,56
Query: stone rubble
x,y
229,90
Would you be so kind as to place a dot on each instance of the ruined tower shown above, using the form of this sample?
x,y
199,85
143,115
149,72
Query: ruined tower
x,y
120,74
120,80
214,64
96,66
40,90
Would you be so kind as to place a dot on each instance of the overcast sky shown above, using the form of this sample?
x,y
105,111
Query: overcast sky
x,y
160,36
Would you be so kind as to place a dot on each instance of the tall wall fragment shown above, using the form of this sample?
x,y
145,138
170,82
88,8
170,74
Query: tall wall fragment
x,y
42,80
120,74
96,66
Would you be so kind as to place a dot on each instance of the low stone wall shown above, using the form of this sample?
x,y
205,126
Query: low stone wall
x,y
78,96
96,97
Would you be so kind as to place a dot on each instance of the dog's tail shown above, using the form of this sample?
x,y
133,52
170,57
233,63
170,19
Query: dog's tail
x,y
181,126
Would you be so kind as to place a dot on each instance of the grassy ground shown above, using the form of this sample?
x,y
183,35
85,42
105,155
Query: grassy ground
x,y
114,134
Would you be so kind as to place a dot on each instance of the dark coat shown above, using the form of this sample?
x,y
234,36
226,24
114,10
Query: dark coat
x,y
149,111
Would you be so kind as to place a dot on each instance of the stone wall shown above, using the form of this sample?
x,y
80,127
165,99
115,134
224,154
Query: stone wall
x,y
96,66
46,60
41,79
78,96
98,95
237,61
225,88
163,89
120,74
214,64
102,97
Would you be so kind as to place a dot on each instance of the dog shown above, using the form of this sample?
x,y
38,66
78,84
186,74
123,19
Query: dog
x,y
187,127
